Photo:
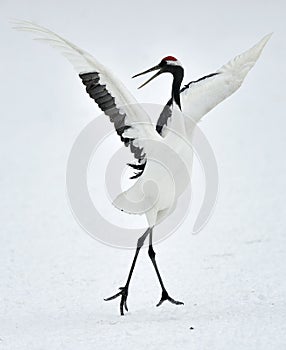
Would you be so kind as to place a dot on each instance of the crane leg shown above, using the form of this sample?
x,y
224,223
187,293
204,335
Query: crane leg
x,y
124,290
165,295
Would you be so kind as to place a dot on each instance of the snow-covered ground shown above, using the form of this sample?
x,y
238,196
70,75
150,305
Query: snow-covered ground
x,y
231,275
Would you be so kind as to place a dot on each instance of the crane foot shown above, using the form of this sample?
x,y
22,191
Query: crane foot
x,y
123,303
165,296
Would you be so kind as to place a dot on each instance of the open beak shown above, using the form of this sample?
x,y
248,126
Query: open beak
x,y
148,71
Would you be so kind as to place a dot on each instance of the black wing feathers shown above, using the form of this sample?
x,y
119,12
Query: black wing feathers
x,y
106,102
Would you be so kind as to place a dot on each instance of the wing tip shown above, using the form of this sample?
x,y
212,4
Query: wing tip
x,y
22,25
264,40
257,49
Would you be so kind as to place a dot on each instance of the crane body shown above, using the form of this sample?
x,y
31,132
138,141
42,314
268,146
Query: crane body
x,y
163,153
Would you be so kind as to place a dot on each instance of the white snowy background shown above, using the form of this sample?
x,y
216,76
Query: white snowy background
x,y
53,276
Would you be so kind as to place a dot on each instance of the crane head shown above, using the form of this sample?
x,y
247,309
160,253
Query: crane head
x,y
168,64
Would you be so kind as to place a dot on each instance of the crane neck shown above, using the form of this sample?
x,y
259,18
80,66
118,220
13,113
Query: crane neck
x,y
178,75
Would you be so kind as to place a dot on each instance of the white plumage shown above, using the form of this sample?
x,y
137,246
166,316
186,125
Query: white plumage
x,y
201,97
198,99
168,154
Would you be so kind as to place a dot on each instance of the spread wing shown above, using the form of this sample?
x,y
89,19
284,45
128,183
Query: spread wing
x,y
200,96
131,122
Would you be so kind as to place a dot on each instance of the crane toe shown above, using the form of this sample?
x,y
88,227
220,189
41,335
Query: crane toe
x,y
123,303
165,296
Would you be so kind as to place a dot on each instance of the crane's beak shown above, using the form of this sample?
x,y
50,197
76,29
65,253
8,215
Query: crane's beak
x,y
148,71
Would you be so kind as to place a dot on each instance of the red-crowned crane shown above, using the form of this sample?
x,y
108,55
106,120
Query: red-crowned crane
x,y
187,105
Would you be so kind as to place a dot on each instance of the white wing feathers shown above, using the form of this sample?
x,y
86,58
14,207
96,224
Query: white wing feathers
x,y
202,96
141,128
197,98
82,61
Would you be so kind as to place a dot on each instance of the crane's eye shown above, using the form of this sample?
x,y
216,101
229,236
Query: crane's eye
x,y
163,63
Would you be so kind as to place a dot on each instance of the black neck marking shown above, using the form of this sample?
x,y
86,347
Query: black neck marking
x,y
178,75
167,111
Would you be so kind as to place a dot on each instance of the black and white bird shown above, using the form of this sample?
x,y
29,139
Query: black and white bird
x,y
163,153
